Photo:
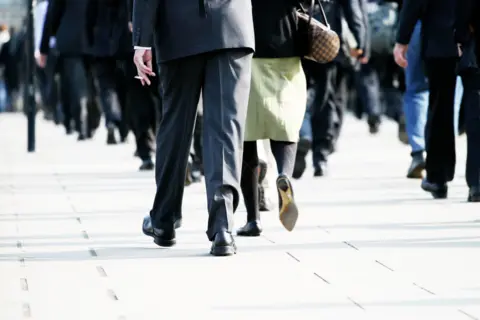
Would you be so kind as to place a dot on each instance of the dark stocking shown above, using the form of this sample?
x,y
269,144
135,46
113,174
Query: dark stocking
x,y
249,180
284,153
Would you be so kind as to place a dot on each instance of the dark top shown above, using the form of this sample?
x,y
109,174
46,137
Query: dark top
x,y
107,28
438,26
275,23
65,20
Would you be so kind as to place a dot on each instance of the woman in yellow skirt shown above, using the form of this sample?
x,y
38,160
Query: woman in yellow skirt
x,y
276,107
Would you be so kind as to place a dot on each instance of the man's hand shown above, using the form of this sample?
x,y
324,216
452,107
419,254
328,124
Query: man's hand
x,y
460,51
363,60
41,59
400,54
355,53
130,26
143,62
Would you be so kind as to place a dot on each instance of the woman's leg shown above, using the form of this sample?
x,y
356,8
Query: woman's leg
x,y
284,153
249,185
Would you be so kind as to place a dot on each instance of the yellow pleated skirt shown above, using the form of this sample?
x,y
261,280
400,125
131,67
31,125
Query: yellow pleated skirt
x,y
278,98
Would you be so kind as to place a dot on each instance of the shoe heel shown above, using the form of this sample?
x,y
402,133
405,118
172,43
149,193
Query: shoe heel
x,y
223,251
441,194
163,242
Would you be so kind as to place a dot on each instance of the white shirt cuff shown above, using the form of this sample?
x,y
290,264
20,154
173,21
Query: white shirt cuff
x,y
145,48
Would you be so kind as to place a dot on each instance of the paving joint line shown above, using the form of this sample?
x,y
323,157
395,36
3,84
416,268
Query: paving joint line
x,y
400,273
100,269
384,265
424,289
293,257
26,309
467,314
356,303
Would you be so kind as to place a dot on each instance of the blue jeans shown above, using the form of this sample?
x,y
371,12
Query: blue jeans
x,y
417,95
3,97
306,129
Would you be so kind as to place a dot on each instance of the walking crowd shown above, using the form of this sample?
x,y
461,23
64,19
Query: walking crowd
x,y
215,89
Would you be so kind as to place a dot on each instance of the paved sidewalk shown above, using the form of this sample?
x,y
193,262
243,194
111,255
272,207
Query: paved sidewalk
x,y
369,243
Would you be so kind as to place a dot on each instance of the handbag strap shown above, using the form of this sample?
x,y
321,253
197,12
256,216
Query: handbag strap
x,y
311,11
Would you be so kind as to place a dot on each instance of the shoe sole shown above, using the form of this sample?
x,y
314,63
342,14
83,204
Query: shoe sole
x,y
163,242
416,173
288,209
249,234
223,251
177,225
442,194
473,198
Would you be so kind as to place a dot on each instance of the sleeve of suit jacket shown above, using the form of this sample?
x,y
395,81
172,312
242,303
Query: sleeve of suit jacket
x,y
130,9
144,21
91,20
462,20
411,12
52,22
354,15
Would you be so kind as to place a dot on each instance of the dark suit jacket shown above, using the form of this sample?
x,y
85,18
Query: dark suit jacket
x,y
189,27
107,28
438,26
65,20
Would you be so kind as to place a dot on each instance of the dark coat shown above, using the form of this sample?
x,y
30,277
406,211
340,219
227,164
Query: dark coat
x,y
107,28
438,26
189,27
467,34
65,20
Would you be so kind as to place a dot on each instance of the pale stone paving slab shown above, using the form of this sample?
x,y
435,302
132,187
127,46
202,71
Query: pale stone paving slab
x,y
369,243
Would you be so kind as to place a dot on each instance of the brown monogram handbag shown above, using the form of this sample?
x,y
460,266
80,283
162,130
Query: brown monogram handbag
x,y
319,42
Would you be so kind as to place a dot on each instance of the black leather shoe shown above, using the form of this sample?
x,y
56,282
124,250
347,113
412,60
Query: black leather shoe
x,y
251,229
303,148
164,238
438,191
474,194
111,136
417,166
147,227
147,165
223,245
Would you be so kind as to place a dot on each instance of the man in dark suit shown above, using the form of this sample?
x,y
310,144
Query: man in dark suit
x,y
440,53
202,47
66,21
467,36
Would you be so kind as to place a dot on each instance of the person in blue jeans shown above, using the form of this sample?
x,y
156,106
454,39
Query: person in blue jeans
x,y
416,104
